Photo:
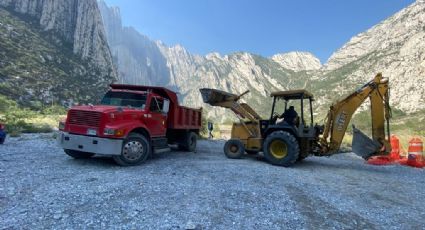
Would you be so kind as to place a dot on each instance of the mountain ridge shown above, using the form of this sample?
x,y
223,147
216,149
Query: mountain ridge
x,y
346,70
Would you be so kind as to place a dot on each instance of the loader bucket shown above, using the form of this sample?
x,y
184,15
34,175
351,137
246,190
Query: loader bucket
x,y
214,96
363,146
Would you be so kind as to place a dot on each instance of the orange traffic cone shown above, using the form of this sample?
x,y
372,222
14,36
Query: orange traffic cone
x,y
414,153
395,147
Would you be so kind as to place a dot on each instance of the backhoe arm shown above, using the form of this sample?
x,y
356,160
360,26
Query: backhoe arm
x,y
340,114
223,99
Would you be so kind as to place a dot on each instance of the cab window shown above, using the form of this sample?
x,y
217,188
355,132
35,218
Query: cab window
x,y
156,104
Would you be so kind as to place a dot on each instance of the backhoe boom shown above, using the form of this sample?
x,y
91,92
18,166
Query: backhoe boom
x,y
340,114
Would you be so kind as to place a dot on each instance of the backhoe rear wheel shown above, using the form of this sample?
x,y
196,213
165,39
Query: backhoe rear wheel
x,y
281,148
234,149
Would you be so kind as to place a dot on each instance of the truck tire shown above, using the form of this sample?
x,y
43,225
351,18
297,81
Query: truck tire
x,y
281,148
189,142
234,149
135,150
78,154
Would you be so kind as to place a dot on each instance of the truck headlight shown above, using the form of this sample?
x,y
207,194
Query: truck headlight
x,y
61,125
113,132
109,132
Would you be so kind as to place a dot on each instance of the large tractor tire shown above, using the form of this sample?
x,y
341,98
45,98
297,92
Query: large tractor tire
x,y
281,148
135,150
189,142
234,149
78,154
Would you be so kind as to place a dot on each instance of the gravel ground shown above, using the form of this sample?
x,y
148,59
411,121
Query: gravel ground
x,y
41,187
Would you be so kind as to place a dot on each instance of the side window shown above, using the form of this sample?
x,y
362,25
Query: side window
x,y
156,105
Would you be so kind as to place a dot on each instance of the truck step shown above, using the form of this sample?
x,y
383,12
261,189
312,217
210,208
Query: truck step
x,y
161,150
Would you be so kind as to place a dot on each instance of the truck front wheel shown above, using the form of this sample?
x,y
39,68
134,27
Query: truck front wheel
x,y
78,154
135,150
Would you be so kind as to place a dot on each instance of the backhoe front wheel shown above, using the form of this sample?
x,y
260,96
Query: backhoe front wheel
x,y
281,148
234,149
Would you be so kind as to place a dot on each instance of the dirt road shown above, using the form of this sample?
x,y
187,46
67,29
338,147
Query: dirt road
x,y
41,187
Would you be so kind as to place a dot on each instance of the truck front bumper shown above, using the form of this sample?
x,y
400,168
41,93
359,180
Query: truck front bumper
x,y
98,145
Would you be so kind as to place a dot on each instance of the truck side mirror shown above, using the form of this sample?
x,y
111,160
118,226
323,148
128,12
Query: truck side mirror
x,y
166,106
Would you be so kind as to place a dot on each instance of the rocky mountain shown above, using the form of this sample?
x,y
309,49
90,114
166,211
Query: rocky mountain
x,y
53,51
395,47
298,61
143,61
139,60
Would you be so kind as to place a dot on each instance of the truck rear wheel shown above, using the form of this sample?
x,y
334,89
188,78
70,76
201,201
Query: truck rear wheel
x,y
234,149
135,150
281,148
189,142
78,154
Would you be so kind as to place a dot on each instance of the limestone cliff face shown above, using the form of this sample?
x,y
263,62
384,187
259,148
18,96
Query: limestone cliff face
x,y
298,61
53,51
138,59
75,21
395,47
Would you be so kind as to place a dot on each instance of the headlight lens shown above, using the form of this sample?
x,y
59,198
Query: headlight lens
x,y
108,131
113,132
61,125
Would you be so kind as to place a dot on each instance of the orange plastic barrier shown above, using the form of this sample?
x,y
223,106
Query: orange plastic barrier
x,y
414,153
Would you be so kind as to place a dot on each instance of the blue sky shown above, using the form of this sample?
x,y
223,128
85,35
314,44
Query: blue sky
x,y
263,27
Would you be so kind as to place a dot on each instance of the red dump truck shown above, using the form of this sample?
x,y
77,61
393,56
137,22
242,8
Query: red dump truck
x,y
130,123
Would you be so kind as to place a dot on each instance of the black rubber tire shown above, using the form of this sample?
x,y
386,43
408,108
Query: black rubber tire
x,y
135,139
189,142
78,154
234,149
2,140
292,148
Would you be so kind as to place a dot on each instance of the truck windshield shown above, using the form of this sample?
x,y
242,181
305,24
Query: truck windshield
x,y
124,99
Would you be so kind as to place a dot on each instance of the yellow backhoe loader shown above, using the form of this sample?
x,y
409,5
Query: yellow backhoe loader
x,y
285,141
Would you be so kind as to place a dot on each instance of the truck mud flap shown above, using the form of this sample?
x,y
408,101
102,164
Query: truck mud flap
x,y
214,96
363,146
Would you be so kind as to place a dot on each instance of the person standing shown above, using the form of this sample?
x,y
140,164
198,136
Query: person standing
x,y
210,129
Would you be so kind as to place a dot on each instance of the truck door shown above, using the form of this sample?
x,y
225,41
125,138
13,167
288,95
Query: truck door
x,y
158,118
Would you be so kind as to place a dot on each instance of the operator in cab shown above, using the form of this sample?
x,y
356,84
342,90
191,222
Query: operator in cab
x,y
290,115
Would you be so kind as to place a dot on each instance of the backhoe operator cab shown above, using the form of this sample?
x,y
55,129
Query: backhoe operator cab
x,y
299,130
283,103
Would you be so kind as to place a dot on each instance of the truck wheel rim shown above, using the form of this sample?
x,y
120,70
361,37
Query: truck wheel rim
x,y
278,149
133,150
234,148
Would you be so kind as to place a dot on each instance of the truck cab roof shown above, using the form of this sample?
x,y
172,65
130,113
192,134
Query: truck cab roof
x,y
161,91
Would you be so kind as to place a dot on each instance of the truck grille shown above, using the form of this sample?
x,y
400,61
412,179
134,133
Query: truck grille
x,y
86,118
